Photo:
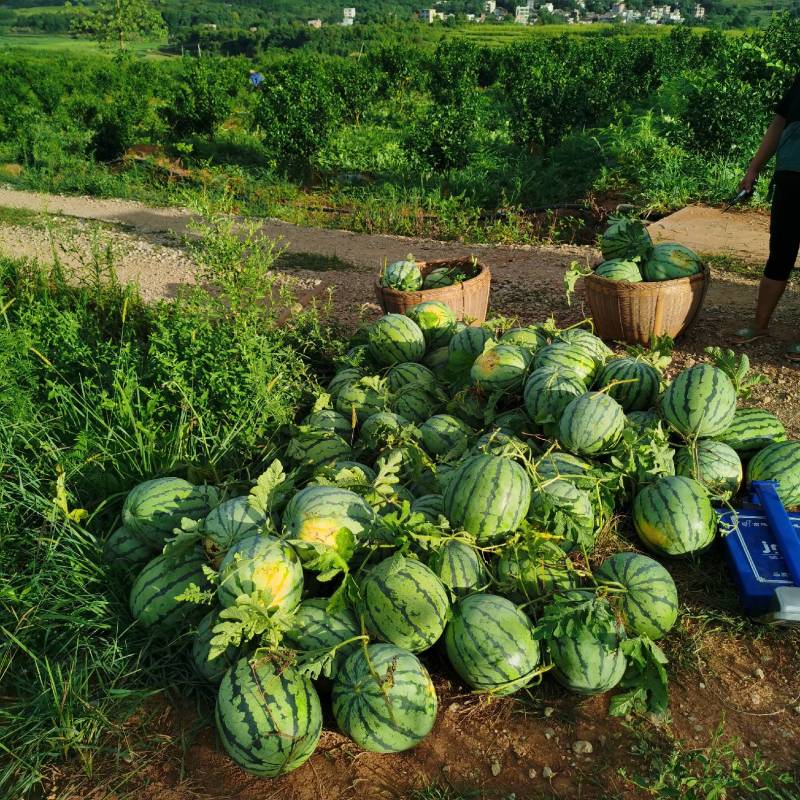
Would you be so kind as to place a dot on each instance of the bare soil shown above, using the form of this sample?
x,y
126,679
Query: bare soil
x,y
732,672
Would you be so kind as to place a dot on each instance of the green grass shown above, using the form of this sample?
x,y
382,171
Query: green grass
x,y
63,44
736,266
315,262
19,216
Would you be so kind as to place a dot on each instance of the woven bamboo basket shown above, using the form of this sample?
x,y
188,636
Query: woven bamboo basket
x,y
634,312
469,299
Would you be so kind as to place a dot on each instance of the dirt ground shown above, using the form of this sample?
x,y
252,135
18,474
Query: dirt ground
x,y
719,671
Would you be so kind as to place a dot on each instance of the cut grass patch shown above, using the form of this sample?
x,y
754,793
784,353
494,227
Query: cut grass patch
x,y
19,216
317,262
734,265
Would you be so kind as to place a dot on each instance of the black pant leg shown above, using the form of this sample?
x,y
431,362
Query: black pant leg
x,y
784,230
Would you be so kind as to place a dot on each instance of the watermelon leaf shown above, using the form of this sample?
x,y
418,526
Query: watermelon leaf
x,y
251,615
568,615
322,402
573,274
326,560
645,678
658,353
737,369
271,488
642,457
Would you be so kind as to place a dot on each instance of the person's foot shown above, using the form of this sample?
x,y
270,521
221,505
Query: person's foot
x,y
747,335
793,352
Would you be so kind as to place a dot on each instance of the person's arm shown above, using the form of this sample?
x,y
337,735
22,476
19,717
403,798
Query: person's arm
x,y
769,144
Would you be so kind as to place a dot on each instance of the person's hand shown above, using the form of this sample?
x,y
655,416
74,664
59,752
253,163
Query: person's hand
x,y
749,180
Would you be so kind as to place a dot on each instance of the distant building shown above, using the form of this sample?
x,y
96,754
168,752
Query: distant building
x,y
618,8
699,12
523,15
490,6
548,7
315,23
348,16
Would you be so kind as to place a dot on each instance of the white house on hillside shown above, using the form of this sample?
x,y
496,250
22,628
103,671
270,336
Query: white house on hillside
x,y
489,6
349,16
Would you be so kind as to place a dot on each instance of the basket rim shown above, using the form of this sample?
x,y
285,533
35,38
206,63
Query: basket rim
x,y
704,274
483,272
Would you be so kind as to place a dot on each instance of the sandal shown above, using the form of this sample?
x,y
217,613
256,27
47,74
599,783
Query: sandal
x,y
747,335
792,352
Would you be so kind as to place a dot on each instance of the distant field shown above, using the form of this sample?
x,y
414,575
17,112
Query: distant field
x,y
499,35
56,43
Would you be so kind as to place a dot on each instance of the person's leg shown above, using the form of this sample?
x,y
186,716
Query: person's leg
x,y
770,292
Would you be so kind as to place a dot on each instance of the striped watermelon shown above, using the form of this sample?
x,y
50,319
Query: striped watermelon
x,y
316,514
443,434
460,567
669,261
211,671
529,339
395,338
673,516
469,405
269,719
314,627
329,420
567,357
752,430
587,662
465,347
650,602
626,238
488,496
153,509
643,420
528,573
152,598
437,278
563,509
436,320
404,276
564,465
640,388
410,372
431,506
416,401
362,398
126,551
438,362
499,443
404,603
490,644
591,424
700,401
312,448
500,369
364,474
342,378
779,462
229,522
714,464
618,269
514,421
389,713
548,391
261,565
593,345
378,428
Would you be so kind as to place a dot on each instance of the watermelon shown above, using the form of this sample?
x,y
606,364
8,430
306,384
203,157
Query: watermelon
x,y
714,464
431,506
563,509
700,401
498,443
378,428
488,496
633,383
342,378
438,362
490,643
500,369
673,516
329,420
363,473
364,397
401,375
389,713
626,238
229,522
404,276
587,662
650,602
752,430
437,279
261,565
459,566
152,597
528,573
591,424
395,338
669,261
416,402
528,339
514,421
213,670
567,357
548,391
153,509
443,434
469,405
126,551
310,448
618,269
564,465
643,420
465,347
316,514
592,345
436,320
404,603
779,462
269,718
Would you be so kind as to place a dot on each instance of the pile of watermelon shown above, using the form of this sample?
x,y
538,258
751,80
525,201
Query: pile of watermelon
x,y
630,255
447,493
406,276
